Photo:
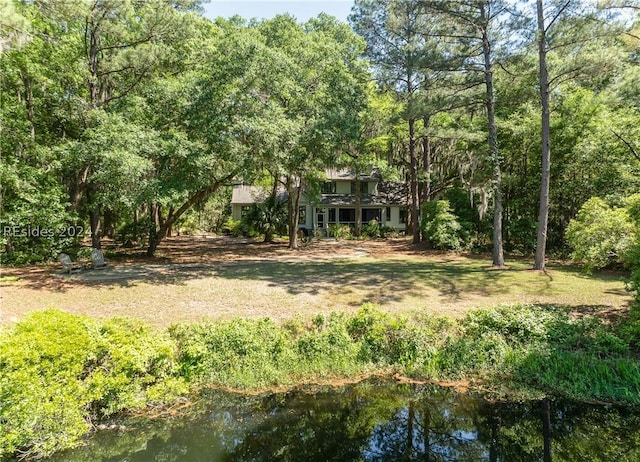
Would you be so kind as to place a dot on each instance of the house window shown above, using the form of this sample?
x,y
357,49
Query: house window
x,y
328,187
403,215
370,214
387,214
302,217
364,187
332,215
244,210
347,215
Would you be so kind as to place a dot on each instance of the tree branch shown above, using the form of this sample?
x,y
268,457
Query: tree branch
x,y
635,153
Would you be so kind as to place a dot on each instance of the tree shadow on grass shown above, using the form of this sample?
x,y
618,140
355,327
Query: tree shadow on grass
x,y
386,280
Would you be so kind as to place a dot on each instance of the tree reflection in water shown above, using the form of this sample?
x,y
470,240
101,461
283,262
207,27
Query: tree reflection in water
x,y
373,421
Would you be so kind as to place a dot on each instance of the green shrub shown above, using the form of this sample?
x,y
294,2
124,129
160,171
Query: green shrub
x,y
372,229
516,323
340,231
234,227
59,371
268,218
383,338
42,398
439,226
599,234
239,353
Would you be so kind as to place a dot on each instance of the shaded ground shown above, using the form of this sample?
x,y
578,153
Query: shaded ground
x,y
194,278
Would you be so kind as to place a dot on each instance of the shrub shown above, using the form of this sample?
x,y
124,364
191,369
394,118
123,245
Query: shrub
x,y
516,323
340,231
42,398
372,229
240,353
59,371
268,218
439,226
384,339
599,234
234,227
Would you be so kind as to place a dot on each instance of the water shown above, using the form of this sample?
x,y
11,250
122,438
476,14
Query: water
x,y
371,421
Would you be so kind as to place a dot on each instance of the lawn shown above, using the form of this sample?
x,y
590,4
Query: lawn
x,y
204,278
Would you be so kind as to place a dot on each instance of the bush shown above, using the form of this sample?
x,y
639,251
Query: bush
x,y
371,229
234,227
268,218
439,226
58,372
340,231
599,234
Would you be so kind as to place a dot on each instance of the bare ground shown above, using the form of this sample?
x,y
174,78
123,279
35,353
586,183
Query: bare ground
x,y
196,278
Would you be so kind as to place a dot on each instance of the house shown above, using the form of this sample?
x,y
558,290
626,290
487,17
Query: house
x,y
384,201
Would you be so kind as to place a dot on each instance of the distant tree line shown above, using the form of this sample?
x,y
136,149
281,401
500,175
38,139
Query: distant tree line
x,y
132,119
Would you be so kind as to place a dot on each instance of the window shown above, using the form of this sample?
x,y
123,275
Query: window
x,y
387,214
403,215
328,187
370,214
302,218
364,187
347,215
332,215
244,210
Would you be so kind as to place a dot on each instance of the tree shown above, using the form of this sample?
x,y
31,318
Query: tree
x,y
396,33
561,25
314,95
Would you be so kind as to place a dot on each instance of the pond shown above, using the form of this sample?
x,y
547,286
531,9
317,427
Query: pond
x,y
370,421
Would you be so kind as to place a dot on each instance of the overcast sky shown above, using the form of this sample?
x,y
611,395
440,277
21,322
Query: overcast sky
x,y
301,9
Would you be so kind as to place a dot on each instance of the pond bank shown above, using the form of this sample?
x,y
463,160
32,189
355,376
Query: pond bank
x,y
62,373
371,420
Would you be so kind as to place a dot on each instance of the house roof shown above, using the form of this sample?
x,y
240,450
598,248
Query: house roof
x,y
334,174
245,194
388,193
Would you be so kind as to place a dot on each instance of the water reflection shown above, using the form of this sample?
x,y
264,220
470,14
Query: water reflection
x,y
373,421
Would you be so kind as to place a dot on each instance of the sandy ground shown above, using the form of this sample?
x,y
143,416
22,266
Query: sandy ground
x,y
196,278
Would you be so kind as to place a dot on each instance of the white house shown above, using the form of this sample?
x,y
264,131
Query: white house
x,y
384,201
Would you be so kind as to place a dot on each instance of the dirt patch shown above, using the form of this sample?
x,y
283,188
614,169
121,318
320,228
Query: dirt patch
x,y
204,278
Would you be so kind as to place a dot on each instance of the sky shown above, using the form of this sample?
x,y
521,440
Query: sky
x,y
303,10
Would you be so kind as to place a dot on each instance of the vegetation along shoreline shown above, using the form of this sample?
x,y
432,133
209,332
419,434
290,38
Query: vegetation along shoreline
x,y
62,374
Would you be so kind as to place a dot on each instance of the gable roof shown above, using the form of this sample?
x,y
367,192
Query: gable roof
x,y
245,194
345,174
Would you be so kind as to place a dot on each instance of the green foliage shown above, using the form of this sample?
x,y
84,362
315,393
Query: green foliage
x,y
600,234
372,229
58,372
340,231
268,218
439,226
234,227
384,338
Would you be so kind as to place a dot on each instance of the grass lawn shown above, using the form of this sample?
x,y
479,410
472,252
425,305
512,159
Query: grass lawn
x,y
197,278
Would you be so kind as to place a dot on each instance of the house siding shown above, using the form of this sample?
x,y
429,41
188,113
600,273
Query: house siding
x,y
382,201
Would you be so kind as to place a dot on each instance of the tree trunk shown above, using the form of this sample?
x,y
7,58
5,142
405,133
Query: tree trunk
x,y
543,215
94,218
358,225
293,204
413,183
170,226
109,220
28,100
409,441
498,252
426,160
157,234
